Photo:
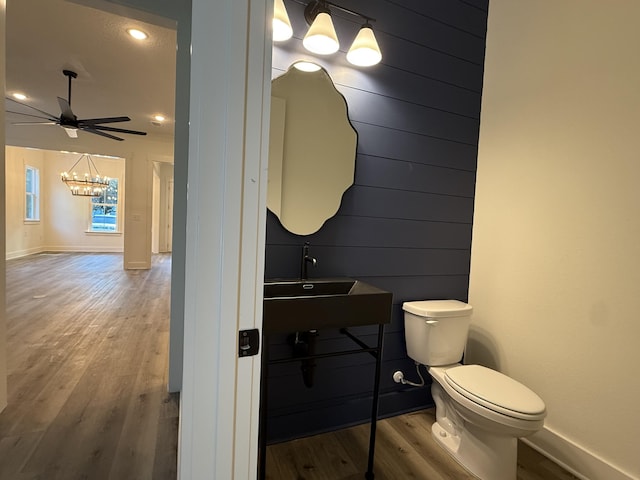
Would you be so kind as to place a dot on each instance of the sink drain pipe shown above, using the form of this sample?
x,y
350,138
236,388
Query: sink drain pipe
x,y
304,345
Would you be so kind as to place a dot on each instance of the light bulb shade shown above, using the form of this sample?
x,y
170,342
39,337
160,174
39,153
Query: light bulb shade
x,y
281,24
365,50
321,37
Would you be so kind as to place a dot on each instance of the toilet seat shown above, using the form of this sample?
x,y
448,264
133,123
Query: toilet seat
x,y
495,391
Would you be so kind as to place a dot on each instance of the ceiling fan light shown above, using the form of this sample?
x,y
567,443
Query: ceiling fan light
x,y
281,24
364,51
321,37
72,132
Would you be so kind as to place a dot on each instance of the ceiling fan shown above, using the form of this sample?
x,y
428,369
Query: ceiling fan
x,y
71,123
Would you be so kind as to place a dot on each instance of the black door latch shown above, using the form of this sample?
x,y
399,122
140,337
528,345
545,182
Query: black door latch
x,y
248,342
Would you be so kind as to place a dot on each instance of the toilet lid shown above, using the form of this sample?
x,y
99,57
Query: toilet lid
x,y
438,308
495,391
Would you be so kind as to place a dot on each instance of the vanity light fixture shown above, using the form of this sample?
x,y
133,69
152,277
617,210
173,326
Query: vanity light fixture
x,y
281,24
321,38
365,50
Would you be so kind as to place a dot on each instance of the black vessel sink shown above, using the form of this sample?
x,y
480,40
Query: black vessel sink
x,y
299,305
308,288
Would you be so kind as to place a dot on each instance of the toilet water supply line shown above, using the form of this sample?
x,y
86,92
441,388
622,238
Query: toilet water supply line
x,y
398,377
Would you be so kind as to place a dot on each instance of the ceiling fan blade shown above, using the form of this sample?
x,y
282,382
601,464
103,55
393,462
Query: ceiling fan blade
x,y
49,115
34,123
65,108
94,121
97,132
51,118
120,130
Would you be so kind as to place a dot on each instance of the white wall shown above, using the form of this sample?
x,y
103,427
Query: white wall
x,y
22,237
64,219
555,269
140,155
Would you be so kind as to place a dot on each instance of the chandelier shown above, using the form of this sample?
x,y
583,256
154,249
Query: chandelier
x,y
89,184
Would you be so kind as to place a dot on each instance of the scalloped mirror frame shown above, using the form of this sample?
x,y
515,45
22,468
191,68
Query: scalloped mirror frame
x,y
312,150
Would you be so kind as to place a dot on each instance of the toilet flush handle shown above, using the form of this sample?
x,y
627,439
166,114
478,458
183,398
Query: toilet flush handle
x,y
431,322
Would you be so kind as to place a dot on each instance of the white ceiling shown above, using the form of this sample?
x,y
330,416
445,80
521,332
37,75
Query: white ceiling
x,y
117,76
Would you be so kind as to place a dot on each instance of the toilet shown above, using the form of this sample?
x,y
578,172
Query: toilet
x,y
480,413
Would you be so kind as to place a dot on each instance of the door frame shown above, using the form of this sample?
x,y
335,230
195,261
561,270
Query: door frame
x,y
228,150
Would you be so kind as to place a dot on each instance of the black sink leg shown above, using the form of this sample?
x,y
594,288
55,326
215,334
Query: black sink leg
x,y
374,407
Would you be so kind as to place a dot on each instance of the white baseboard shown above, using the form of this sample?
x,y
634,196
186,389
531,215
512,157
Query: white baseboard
x,y
83,249
23,253
137,266
64,249
575,459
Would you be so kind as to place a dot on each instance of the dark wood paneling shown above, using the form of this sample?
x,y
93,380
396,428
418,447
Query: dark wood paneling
x,y
389,203
405,224
450,37
344,230
369,262
403,175
482,5
373,109
456,14
414,147
430,63
393,82
285,426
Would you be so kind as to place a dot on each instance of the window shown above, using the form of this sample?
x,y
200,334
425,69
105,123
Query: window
x,y
104,209
32,194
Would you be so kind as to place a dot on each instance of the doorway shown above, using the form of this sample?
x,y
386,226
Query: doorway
x,y
162,223
92,72
227,25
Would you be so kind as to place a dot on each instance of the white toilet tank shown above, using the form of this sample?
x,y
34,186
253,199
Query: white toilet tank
x,y
436,330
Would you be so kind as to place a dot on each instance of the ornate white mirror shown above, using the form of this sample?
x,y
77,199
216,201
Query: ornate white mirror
x,y
312,149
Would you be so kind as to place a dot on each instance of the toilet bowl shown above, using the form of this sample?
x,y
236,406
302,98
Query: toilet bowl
x,y
480,413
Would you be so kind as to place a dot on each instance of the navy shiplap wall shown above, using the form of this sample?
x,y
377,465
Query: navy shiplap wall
x,y
405,224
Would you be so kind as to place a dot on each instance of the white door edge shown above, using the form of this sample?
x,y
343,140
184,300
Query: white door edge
x,y
226,210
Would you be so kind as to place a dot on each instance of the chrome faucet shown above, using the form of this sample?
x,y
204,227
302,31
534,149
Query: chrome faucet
x,y
306,260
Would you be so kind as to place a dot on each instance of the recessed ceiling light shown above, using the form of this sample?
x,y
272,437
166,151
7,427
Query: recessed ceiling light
x,y
137,34
159,118
19,96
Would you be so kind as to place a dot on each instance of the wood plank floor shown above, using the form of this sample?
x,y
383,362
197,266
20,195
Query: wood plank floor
x,y
87,347
404,450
